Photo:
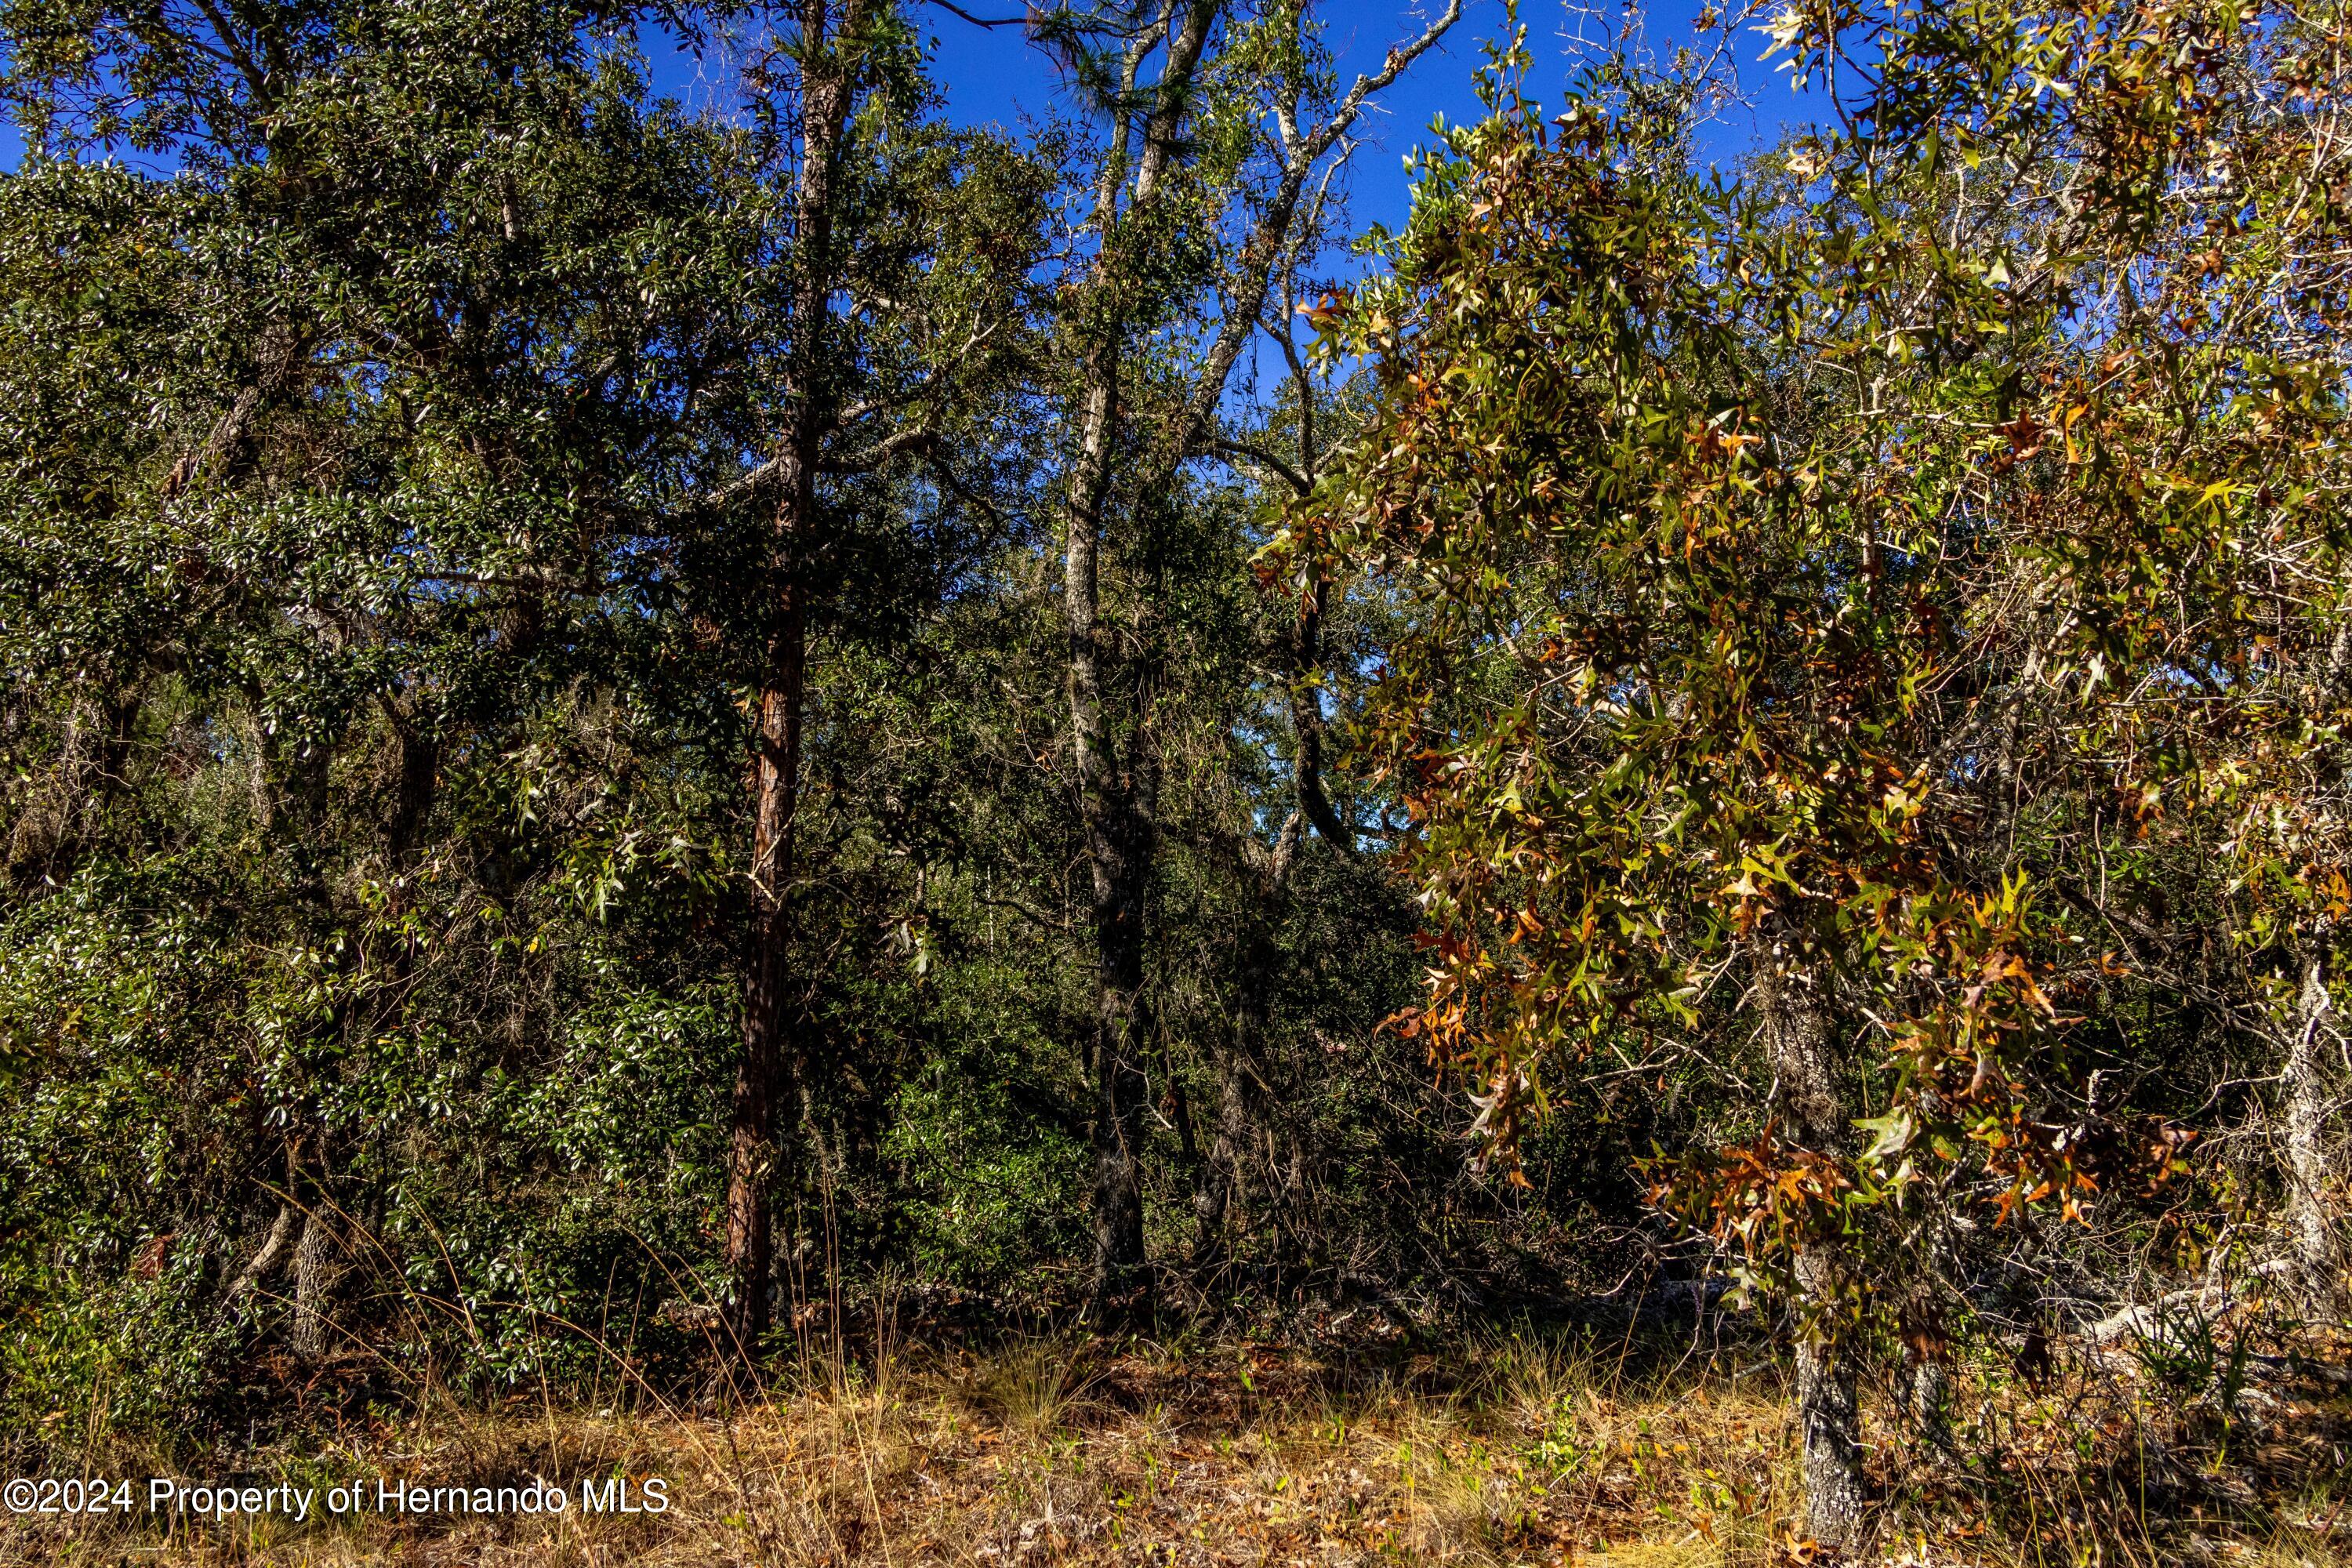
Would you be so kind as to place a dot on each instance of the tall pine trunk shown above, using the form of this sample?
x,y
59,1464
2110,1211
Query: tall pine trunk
x,y
769,1074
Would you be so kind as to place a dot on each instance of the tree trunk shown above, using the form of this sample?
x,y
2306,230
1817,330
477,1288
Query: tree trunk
x,y
1122,1023
1118,855
769,1072
1115,770
1223,1184
1797,1034
1829,1418
1120,818
314,1270
1926,1383
2310,1208
1927,1389
265,1257
414,787
1241,1086
1118,858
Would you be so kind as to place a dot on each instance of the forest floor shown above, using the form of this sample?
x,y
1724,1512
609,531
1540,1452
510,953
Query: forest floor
x,y
1500,1448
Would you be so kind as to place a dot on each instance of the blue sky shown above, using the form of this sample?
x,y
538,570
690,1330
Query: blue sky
x,y
996,76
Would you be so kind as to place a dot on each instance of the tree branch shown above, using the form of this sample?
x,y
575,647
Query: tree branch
x,y
1257,266
918,438
1264,458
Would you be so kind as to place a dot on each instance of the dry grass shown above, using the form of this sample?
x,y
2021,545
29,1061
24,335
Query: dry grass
x,y
1517,1449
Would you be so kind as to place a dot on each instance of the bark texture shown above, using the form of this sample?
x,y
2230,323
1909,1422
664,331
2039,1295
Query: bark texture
x,y
1829,1418
1929,1395
1798,1035
266,1258
2311,1217
314,1277
768,1075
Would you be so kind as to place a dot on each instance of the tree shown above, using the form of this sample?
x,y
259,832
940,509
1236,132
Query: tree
x,y
443,428
1175,172
398,413
1740,526
900,306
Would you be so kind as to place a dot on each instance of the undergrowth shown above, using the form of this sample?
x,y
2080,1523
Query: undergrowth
x,y
1520,1445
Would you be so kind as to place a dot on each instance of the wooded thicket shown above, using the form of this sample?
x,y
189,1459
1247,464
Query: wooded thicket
x,y
620,721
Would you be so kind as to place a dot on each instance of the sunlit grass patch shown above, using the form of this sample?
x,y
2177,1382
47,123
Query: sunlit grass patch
x,y
1516,1446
